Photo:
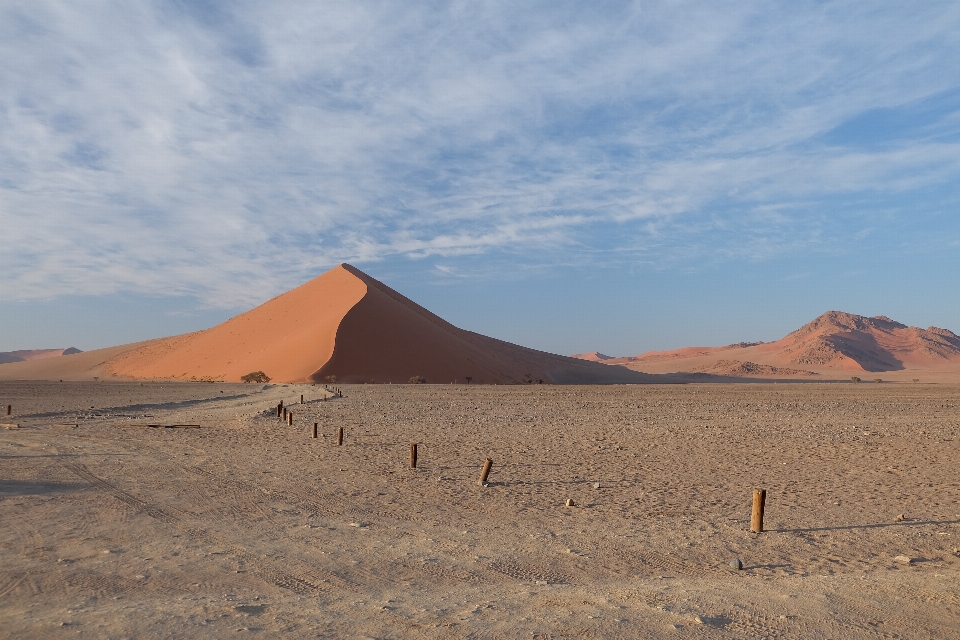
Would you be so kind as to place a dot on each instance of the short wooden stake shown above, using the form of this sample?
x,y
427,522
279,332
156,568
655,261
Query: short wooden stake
x,y
314,429
290,418
413,455
279,409
756,519
301,398
9,409
485,472
339,436
284,413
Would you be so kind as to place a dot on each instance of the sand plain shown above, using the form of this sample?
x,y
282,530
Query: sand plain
x,y
250,527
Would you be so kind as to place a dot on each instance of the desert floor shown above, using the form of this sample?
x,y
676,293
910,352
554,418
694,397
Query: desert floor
x,y
250,527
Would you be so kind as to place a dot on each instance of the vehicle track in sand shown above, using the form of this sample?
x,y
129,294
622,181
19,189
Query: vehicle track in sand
x,y
290,574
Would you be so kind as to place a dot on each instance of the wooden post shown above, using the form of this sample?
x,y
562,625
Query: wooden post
x,y
314,429
756,519
301,398
485,472
290,418
413,455
279,409
339,436
9,409
284,413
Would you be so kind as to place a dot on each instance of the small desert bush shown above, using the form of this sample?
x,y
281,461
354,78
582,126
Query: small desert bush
x,y
418,380
878,380
854,379
331,379
256,376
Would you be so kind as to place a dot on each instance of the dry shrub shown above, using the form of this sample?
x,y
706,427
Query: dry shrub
x,y
418,380
256,376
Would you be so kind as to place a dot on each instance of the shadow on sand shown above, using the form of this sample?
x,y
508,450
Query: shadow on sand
x,y
880,525
38,487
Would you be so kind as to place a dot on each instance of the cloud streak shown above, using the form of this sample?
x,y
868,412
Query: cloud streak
x,y
231,151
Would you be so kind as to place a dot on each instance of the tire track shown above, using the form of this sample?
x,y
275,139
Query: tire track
x,y
12,583
139,505
876,619
295,575
664,563
528,572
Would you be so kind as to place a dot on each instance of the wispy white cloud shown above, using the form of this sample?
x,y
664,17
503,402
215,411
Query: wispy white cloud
x,y
230,151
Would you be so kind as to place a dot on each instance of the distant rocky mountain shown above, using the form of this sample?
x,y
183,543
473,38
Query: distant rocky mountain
x,y
870,344
834,342
35,354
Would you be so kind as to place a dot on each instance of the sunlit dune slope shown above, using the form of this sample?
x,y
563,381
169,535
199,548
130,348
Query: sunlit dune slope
x,y
288,337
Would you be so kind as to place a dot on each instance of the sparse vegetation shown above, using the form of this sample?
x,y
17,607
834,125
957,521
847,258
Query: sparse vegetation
x,y
854,379
331,379
878,380
256,376
418,380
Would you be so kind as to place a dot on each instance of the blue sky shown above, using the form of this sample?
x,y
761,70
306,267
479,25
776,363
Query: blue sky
x,y
618,176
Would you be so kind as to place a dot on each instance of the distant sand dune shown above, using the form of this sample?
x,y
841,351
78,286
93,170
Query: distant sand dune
x,y
835,344
343,325
27,355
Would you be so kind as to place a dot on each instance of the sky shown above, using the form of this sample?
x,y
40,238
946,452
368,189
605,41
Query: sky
x,y
570,176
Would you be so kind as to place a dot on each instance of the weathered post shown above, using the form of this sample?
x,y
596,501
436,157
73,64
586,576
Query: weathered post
x,y
290,418
279,409
9,409
485,472
413,455
756,518
314,429
339,436
301,398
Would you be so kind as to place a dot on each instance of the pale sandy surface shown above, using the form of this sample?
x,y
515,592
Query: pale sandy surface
x,y
248,527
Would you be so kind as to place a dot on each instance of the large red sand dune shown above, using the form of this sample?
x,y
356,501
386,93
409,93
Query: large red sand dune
x,y
835,344
343,324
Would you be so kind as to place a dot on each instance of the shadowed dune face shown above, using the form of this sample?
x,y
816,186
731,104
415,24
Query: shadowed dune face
x,y
387,338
